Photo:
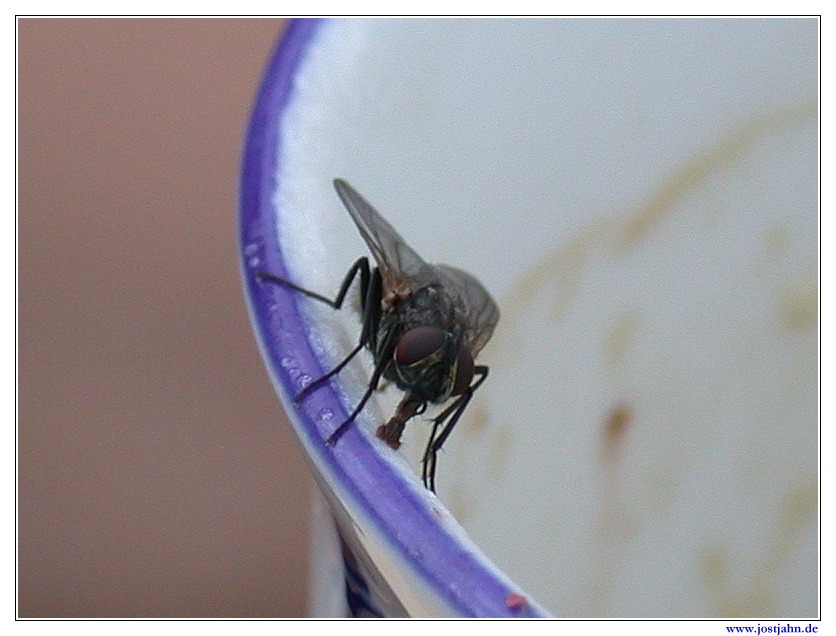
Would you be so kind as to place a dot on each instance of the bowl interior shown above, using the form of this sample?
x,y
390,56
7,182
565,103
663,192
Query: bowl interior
x,y
640,196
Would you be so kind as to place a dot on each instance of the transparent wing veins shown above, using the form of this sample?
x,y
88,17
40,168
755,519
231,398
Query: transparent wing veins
x,y
400,267
403,270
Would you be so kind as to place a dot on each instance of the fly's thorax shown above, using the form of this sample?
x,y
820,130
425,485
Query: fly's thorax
x,y
430,305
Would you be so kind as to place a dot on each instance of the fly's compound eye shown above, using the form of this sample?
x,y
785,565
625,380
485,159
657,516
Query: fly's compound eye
x,y
419,344
464,371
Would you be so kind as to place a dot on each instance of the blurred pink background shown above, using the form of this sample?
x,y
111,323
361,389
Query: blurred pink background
x,y
157,475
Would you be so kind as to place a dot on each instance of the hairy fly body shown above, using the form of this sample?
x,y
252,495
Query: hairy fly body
x,y
424,325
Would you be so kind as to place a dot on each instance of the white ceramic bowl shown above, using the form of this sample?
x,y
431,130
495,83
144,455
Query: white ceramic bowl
x,y
641,198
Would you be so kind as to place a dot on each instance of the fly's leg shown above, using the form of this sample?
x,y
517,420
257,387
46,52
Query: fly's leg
x,y
441,430
388,350
370,294
362,266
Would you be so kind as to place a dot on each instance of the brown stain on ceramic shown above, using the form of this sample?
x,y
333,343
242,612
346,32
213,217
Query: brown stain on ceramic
x,y
699,169
621,337
557,277
615,428
757,595
799,306
555,281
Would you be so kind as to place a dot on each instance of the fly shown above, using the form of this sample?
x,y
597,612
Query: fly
x,y
423,324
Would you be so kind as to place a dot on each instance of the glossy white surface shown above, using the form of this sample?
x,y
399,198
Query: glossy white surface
x,y
640,196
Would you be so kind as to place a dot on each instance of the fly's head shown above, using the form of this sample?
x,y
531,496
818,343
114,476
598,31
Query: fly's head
x,y
432,364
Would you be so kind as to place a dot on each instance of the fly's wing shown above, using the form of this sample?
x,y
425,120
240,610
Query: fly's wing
x,y
400,267
404,271
477,310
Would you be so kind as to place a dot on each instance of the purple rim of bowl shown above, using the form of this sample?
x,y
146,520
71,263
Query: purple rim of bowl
x,y
462,578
